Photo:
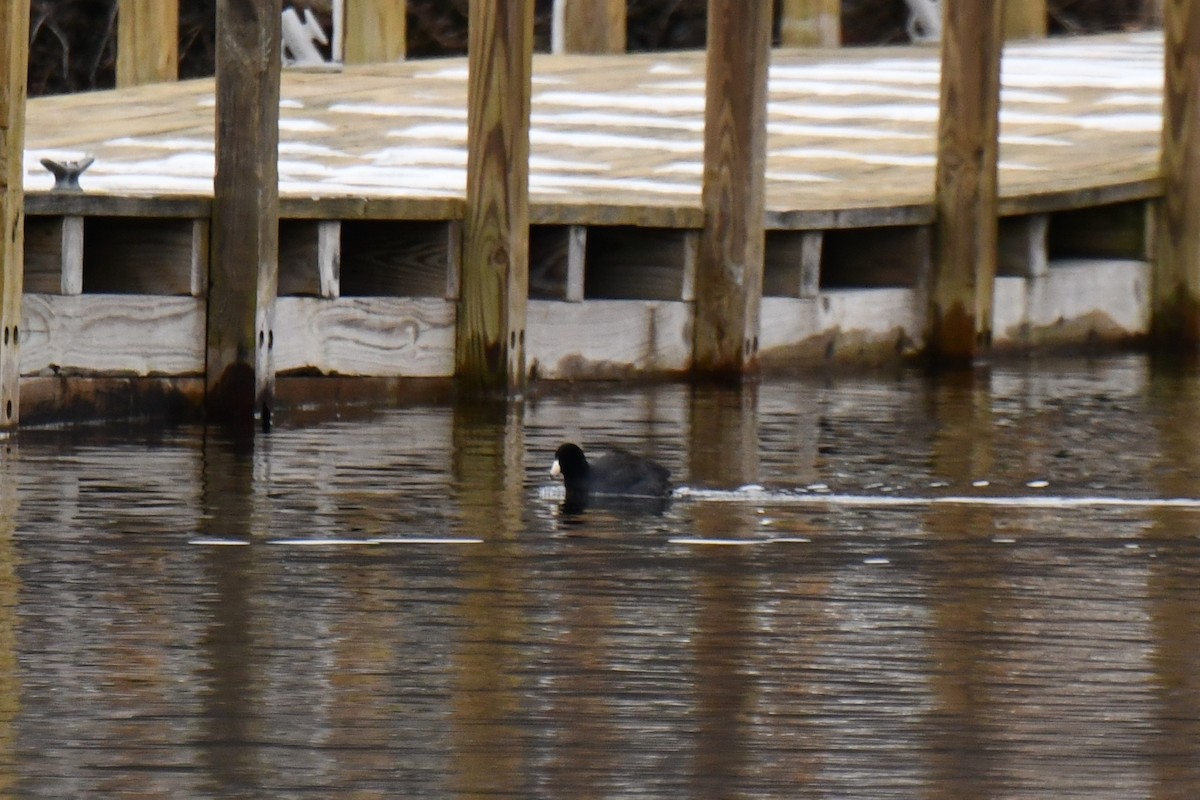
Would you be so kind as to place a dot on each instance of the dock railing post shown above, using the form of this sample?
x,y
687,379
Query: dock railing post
x,y
244,260
964,270
375,31
14,39
147,42
810,23
1175,313
1024,19
729,256
494,293
589,26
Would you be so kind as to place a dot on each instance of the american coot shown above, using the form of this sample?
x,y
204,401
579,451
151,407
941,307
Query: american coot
x,y
616,473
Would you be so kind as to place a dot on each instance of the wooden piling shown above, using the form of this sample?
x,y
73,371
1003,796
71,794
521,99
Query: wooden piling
x,y
1024,19
729,258
810,23
1175,309
14,56
589,26
147,42
243,270
490,344
375,31
961,291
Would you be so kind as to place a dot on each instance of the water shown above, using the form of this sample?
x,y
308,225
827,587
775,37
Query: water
x,y
873,586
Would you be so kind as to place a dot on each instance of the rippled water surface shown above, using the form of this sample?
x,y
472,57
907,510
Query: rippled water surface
x,y
878,586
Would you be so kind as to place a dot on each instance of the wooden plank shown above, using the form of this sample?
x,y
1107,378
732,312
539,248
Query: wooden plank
x,y
729,259
1176,286
810,23
243,273
54,255
376,336
589,26
490,346
1022,246
1024,19
147,41
792,265
876,257
113,335
14,56
139,256
960,313
399,259
635,264
608,339
376,30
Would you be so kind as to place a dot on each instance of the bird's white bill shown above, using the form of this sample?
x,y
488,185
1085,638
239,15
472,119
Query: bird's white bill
x,y
555,469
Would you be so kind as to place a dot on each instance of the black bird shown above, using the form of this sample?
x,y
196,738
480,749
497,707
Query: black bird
x,y
618,473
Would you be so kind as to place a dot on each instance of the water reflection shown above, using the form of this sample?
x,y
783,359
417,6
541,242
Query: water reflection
x,y
392,606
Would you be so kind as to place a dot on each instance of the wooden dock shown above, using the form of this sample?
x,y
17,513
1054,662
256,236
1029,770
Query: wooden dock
x,y
372,173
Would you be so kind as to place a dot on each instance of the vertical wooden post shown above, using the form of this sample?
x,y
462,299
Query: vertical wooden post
x,y
589,26
244,266
729,258
490,347
810,23
375,31
1024,19
147,41
960,310
1175,315
14,59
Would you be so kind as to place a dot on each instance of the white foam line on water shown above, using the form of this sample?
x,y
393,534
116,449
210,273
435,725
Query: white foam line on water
x,y
333,542
894,501
700,541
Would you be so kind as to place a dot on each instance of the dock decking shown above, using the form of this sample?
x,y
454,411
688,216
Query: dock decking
x,y
372,178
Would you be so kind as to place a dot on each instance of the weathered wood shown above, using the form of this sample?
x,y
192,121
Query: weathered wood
x,y
139,256
876,257
729,261
113,335
147,41
589,26
1024,19
1176,287
490,345
792,265
1108,231
960,312
243,274
810,23
400,259
1022,248
54,255
635,264
608,338
310,257
376,31
14,56
379,336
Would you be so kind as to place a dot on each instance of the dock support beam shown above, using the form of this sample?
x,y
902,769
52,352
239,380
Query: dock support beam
x,y
729,258
490,343
810,23
147,42
589,26
14,58
1175,314
962,287
376,31
1024,19
244,267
